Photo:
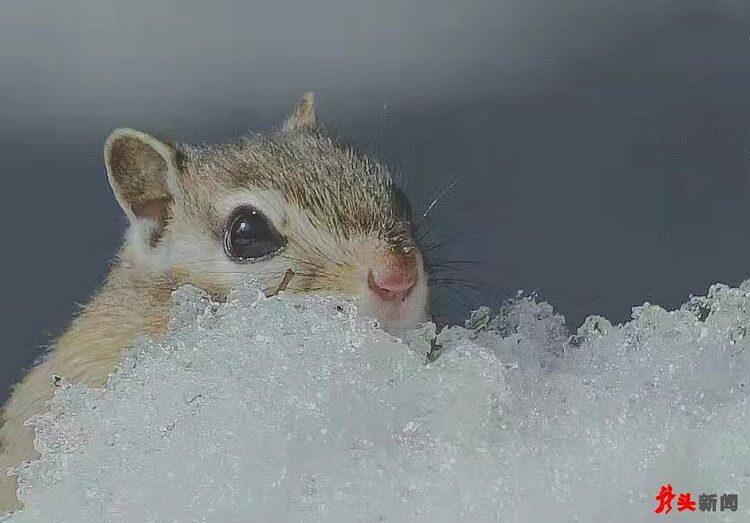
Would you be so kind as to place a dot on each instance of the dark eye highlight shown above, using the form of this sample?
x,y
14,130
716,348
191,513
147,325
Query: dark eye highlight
x,y
250,236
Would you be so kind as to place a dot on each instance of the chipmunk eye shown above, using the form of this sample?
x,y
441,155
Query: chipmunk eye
x,y
251,236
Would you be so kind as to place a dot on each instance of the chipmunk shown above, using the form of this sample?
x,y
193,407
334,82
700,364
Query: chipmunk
x,y
293,199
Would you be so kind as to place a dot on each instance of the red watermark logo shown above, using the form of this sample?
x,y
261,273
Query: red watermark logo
x,y
706,502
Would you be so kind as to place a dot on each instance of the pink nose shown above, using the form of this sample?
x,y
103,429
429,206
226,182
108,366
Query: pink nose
x,y
394,281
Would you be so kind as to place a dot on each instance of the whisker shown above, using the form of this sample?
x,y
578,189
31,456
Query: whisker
x,y
437,199
453,240
453,265
432,226
457,261
455,281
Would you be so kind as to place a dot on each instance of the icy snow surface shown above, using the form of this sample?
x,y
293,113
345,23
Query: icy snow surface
x,y
294,408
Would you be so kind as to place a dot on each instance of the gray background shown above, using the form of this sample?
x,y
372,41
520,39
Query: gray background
x,y
601,145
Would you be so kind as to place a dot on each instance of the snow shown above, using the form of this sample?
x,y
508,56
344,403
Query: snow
x,y
294,408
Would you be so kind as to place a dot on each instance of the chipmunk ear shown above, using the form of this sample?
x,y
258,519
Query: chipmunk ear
x,y
143,174
304,115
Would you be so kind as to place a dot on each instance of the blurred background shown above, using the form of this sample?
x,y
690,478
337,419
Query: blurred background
x,y
601,146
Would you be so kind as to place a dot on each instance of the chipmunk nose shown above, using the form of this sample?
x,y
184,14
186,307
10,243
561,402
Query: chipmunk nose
x,y
393,276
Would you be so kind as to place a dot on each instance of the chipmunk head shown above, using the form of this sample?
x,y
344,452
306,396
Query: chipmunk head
x,y
290,199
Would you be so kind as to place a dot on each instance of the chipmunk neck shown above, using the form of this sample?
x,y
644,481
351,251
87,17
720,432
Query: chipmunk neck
x,y
131,304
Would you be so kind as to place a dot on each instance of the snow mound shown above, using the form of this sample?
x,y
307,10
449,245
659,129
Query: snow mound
x,y
294,408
